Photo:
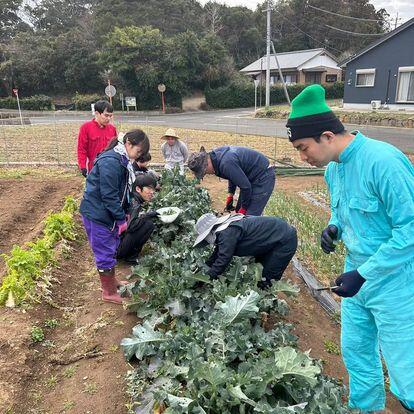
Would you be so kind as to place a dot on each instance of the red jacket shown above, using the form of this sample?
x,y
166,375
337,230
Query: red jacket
x,y
92,140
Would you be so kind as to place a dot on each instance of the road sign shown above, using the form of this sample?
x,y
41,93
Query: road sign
x,y
130,101
15,92
161,87
110,91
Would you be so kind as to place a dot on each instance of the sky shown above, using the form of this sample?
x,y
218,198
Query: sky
x,y
405,8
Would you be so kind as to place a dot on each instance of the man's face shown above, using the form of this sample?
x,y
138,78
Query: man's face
x,y
103,118
171,141
314,153
147,193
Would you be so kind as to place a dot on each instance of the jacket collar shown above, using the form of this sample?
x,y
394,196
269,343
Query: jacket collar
x,y
352,149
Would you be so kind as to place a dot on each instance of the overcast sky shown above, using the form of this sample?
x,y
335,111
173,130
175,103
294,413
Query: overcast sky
x,y
405,8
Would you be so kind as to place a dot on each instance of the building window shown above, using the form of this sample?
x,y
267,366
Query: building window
x,y
331,78
291,79
405,91
365,77
313,77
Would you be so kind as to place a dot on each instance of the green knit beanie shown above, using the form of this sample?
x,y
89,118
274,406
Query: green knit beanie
x,y
311,116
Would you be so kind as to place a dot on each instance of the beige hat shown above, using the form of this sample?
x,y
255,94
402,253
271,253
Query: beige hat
x,y
170,132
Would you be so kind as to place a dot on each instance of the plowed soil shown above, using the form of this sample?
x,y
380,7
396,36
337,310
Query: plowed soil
x,y
79,368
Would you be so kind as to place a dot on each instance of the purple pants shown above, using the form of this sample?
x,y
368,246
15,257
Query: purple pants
x,y
103,242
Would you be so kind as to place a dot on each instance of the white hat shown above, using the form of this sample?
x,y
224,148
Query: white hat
x,y
207,221
170,132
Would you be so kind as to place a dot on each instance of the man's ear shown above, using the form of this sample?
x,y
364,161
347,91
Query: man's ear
x,y
329,135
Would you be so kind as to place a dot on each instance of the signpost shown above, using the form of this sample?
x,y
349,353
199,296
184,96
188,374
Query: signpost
x,y
121,98
256,84
110,91
161,89
16,92
130,101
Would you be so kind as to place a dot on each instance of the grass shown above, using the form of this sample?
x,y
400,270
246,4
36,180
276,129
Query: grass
x,y
309,223
70,371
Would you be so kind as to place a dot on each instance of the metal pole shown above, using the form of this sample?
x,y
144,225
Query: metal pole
x,y
255,98
268,35
18,105
281,75
261,81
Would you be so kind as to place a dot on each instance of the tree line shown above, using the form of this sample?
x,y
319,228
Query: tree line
x,y
59,47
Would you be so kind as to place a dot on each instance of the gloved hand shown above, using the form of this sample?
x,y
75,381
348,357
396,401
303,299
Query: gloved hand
x,y
241,211
349,284
122,226
229,203
327,238
151,214
84,172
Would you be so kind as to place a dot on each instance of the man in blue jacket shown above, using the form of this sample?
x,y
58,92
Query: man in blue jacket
x,y
242,167
371,186
270,240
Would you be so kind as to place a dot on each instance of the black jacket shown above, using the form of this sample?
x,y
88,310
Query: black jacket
x,y
250,236
241,166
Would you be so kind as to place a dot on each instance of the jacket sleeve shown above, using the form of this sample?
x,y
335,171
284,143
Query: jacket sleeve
x,y
395,187
226,244
232,171
334,196
231,187
82,147
212,258
110,180
184,151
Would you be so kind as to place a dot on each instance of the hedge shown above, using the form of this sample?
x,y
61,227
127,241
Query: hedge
x,y
241,95
34,103
83,102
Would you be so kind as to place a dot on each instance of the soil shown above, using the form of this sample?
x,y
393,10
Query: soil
x,y
79,368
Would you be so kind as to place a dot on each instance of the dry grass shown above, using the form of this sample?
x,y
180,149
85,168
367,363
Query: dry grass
x,y
57,143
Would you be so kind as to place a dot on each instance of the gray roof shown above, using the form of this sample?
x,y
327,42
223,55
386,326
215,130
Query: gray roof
x,y
378,42
287,60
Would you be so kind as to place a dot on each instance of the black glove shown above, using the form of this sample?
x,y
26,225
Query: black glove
x,y
229,203
151,214
327,238
349,284
84,172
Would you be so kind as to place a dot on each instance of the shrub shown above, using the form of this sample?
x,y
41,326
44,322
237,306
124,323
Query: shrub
x,y
241,94
33,103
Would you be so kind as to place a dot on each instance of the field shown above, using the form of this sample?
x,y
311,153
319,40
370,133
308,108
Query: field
x,y
62,353
57,143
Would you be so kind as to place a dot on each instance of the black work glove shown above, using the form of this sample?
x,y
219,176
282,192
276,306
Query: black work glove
x,y
349,284
229,204
327,238
151,214
84,172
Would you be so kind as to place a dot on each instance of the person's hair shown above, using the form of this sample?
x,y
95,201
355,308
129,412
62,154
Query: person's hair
x,y
144,180
134,137
100,107
144,157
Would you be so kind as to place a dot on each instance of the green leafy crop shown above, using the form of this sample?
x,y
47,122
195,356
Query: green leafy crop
x,y
202,346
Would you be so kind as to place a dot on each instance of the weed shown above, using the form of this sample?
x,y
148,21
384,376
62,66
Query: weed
x,y
51,323
48,343
113,348
331,347
37,334
51,381
68,405
70,371
90,388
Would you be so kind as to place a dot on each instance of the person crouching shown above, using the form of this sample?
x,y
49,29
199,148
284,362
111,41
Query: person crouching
x,y
140,224
270,240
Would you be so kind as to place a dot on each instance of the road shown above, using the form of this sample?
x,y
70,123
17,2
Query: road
x,y
238,121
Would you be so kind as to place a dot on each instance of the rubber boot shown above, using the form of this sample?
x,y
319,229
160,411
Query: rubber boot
x,y
109,286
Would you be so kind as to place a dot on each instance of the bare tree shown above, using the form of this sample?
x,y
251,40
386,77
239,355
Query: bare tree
x,y
213,16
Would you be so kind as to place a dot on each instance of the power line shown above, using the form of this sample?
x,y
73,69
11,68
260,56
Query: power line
x,y
342,15
354,33
308,35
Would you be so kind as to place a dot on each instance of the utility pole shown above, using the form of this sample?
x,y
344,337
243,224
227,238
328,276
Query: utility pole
x,y
268,40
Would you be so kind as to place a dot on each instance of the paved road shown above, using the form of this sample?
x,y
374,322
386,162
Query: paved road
x,y
238,121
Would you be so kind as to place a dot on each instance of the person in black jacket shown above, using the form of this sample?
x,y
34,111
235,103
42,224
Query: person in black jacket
x,y
270,240
105,201
140,224
242,167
